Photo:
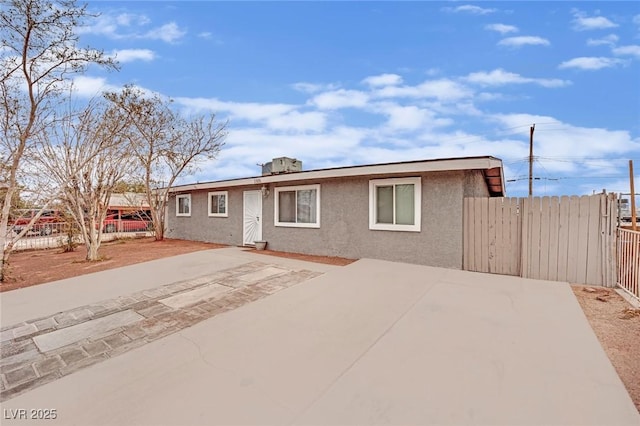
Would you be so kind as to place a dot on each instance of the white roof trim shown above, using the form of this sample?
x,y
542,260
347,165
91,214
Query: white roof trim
x,y
471,163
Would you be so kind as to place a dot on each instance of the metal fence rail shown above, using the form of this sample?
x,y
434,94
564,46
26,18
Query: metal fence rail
x,y
56,235
628,257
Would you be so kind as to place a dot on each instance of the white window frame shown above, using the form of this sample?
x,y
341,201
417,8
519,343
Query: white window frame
x,y
276,203
226,204
417,197
178,197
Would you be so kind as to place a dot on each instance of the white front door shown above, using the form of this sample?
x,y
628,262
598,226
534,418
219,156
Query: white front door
x,y
252,223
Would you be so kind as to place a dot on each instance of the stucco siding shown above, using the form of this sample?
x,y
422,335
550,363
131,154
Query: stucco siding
x,y
344,229
344,221
200,227
475,185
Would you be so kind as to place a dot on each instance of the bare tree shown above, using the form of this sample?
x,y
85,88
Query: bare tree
x,y
166,145
38,54
87,155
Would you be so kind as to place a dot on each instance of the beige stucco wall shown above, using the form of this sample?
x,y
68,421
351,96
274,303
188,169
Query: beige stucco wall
x,y
344,228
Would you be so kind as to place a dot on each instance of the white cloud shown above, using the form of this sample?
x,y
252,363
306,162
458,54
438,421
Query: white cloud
x,y
401,122
608,40
127,19
129,55
591,63
383,80
523,41
501,28
306,87
442,89
340,98
636,19
206,35
408,117
112,25
89,87
632,50
556,139
130,26
283,117
468,8
499,77
251,111
582,22
302,122
246,147
169,33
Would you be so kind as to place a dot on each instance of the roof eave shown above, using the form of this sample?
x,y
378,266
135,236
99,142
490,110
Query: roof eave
x,y
449,164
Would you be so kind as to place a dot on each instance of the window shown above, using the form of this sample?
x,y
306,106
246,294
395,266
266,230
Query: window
x,y
394,204
298,206
183,205
218,204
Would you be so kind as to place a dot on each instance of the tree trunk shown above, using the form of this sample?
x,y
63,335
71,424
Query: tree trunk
x,y
5,247
158,222
93,246
92,252
92,241
3,262
159,230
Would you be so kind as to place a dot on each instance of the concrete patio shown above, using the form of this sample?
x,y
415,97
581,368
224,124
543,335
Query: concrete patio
x,y
370,343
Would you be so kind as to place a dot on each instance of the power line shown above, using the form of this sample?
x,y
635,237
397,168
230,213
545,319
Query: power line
x,y
567,177
503,132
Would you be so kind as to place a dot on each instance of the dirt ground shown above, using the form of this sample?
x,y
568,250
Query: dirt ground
x,y
31,267
617,325
614,321
338,261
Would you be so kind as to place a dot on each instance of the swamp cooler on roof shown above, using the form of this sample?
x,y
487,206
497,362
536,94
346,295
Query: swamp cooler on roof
x,y
281,165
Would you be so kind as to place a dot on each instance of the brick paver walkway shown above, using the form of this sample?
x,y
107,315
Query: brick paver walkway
x,y
39,351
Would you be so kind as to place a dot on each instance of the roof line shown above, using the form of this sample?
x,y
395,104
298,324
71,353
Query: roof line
x,y
476,162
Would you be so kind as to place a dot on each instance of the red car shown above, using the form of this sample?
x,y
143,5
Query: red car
x,y
138,221
50,221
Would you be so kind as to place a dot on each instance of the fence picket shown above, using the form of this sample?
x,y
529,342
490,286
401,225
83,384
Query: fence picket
x,y
594,240
543,272
563,238
572,238
629,261
535,232
525,236
501,225
484,234
554,238
583,240
554,231
466,215
612,215
492,224
477,240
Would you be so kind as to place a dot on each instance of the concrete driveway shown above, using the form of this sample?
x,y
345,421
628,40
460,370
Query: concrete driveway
x,y
371,343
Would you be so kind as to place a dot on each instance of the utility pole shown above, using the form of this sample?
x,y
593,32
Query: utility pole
x,y
533,126
633,197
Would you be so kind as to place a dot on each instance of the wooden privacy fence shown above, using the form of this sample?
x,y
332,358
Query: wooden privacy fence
x,y
550,238
629,261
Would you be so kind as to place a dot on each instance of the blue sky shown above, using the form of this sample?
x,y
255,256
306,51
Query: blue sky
x,y
347,83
